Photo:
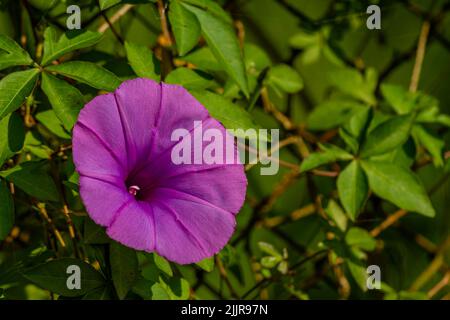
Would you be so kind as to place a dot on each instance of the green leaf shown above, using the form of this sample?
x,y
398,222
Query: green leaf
x,y
49,119
329,154
106,4
6,210
270,262
360,238
335,212
206,264
351,82
32,178
331,114
175,288
94,234
358,272
102,293
124,268
352,188
399,186
432,143
163,264
12,135
159,292
53,276
143,61
269,249
212,7
190,79
284,78
14,88
185,27
229,114
223,42
256,59
65,99
401,100
387,136
55,47
203,59
88,73
14,55
359,123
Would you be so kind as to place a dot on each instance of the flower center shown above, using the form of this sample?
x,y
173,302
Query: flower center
x,y
134,190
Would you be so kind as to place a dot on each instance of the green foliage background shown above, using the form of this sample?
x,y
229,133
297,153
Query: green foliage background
x,y
364,160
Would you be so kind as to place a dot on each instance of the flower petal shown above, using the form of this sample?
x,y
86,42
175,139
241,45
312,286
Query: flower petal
x,y
97,146
133,226
103,198
189,229
139,105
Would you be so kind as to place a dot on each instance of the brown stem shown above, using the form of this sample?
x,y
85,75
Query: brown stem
x,y
420,54
388,222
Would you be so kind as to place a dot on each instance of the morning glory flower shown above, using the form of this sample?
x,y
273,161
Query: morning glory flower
x,y
130,185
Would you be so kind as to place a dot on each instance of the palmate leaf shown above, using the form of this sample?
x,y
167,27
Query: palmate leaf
x,y
185,26
53,276
223,42
88,73
55,47
11,54
14,88
65,99
399,186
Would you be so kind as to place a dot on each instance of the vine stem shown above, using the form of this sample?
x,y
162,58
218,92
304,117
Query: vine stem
x,y
106,25
388,222
420,54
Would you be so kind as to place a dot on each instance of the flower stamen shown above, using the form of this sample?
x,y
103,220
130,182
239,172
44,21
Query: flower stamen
x,y
133,190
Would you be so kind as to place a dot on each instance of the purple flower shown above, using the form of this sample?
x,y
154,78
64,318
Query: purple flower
x,y
122,151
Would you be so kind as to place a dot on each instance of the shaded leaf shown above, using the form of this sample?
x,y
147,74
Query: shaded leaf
x,y
124,268
53,276
12,135
32,178
6,210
